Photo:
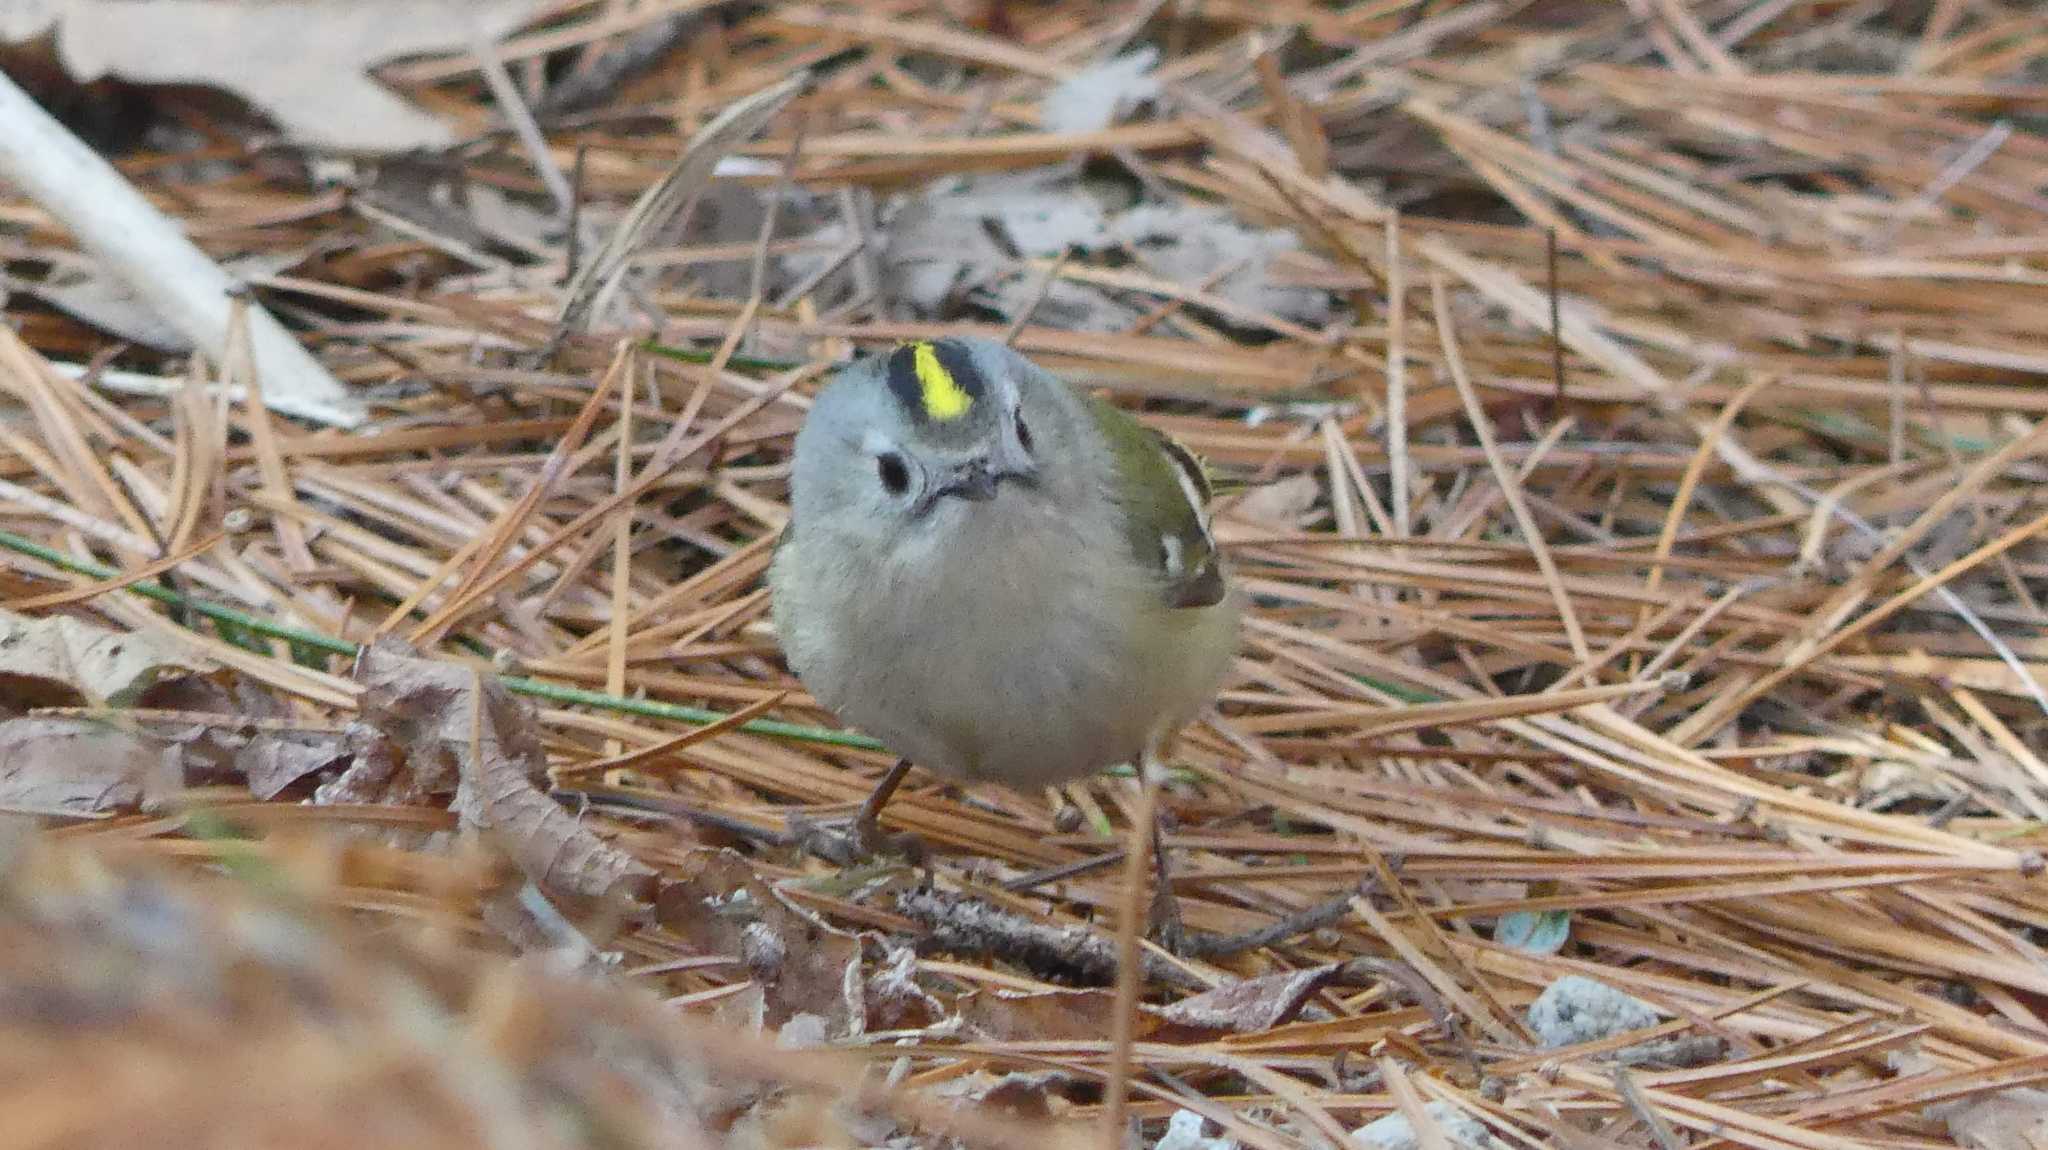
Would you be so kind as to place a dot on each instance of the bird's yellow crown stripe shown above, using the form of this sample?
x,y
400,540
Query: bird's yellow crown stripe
x,y
943,396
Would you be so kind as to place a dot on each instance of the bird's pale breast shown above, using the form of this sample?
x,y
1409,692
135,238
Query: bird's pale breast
x,y
1033,652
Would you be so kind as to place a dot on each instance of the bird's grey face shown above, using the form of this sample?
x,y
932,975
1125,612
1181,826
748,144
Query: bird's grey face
x,y
919,434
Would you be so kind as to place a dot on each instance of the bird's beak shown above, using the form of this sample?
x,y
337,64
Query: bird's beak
x,y
973,482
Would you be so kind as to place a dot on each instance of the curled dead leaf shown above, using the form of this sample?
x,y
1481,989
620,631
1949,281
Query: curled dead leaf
x,y
249,737
1252,1004
61,661
447,719
80,766
379,772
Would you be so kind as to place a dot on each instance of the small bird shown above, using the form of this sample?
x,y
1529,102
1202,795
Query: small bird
x,y
998,577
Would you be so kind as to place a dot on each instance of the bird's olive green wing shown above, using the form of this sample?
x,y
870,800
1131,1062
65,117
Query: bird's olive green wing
x,y
1164,494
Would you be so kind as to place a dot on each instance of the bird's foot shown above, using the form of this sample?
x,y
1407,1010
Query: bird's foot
x,y
1163,924
1163,921
852,841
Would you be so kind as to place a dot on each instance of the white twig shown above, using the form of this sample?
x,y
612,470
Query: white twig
x,y
152,256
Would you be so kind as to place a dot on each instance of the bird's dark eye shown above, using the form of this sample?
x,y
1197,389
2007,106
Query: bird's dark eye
x,y
1023,434
895,476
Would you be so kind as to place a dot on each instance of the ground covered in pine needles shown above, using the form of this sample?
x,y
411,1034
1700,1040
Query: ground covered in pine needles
x,y
1628,421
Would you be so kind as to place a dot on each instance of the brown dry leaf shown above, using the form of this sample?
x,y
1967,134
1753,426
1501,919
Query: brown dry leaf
x,y
1046,1015
379,773
253,739
305,63
272,765
1250,1005
61,661
801,965
78,766
444,717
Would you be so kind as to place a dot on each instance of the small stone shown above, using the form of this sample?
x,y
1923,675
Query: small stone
x,y
1395,1132
804,1031
1096,96
1576,1009
1184,1132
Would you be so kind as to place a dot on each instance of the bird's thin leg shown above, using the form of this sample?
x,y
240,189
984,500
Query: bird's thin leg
x,y
867,825
1163,919
862,837
1167,928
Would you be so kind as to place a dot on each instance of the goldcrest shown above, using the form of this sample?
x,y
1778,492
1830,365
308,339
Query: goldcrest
x,y
995,575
